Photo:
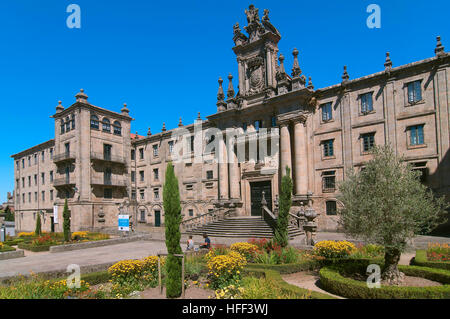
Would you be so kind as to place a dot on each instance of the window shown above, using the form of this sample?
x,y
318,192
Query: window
x,y
368,141
43,178
107,150
142,211
141,176
29,161
329,181
142,194
133,194
155,174
63,127
330,207
117,128
244,127
170,143
23,198
133,155
51,194
422,168
43,156
51,153
51,176
106,125
35,197
94,121
35,179
191,143
67,148
366,103
191,212
258,125
273,121
107,193
156,193
155,150
29,181
23,181
23,163
209,175
328,148
43,196
67,124
72,122
327,114
416,135
414,91
35,159
141,153
133,176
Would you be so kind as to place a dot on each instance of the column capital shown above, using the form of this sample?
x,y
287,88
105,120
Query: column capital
x,y
300,119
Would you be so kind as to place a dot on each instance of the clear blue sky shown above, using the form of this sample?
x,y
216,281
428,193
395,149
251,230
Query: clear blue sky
x,y
163,58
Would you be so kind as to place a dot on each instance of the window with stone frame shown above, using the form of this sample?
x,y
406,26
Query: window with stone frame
x,y
422,168
117,128
155,150
94,122
133,194
191,212
331,208
209,174
51,194
51,176
156,193
107,193
416,136
43,196
414,91
133,176
327,112
170,143
106,125
368,141
142,194
328,150
141,153
141,176
366,101
142,212
329,181
156,174
43,178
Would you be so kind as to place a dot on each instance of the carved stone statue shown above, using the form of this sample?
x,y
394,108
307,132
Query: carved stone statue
x,y
252,14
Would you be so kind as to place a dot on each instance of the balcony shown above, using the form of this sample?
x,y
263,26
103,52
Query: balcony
x,y
66,156
104,157
63,181
116,181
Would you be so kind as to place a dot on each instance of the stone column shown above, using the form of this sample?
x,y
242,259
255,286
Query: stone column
x,y
223,170
234,173
301,160
285,148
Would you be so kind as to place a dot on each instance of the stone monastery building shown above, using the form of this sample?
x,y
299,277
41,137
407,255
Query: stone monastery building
x,y
102,169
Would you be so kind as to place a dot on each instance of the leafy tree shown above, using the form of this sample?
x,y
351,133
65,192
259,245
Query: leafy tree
x,y
281,230
172,211
386,204
66,222
9,215
38,230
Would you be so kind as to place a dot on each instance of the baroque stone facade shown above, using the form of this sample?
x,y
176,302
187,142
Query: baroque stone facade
x,y
102,169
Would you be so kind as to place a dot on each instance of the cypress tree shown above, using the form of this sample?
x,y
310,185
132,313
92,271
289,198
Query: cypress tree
x,y
66,223
281,231
172,213
38,230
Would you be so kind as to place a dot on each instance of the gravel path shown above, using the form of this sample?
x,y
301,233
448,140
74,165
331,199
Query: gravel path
x,y
307,280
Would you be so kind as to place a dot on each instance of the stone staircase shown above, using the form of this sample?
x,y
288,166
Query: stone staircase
x,y
241,227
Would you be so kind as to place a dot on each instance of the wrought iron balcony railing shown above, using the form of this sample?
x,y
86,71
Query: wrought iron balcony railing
x,y
107,157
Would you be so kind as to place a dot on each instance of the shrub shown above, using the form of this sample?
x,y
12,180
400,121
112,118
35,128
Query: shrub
x,y
334,249
25,234
5,248
43,241
78,235
279,255
216,250
38,230
333,280
245,249
224,270
421,260
368,251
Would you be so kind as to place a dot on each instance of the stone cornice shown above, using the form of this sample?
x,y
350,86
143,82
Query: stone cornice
x,y
35,148
92,108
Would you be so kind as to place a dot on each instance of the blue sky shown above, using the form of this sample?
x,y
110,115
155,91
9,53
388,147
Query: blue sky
x,y
163,58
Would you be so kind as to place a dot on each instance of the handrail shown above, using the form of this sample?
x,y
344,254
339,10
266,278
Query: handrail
x,y
268,216
296,221
206,218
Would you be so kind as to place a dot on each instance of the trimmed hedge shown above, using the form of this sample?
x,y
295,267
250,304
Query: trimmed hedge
x,y
14,242
422,260
29,246
6,248
288,268
333,281
283,285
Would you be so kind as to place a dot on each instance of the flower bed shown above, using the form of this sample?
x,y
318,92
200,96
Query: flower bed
x,y
421,260
5,248
333,280
334,249
438,252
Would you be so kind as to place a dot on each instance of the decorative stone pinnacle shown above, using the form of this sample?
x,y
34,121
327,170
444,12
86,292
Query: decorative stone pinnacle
x,y
345,76
296,71
388,62
230,92
149,132
59,107
281,59
81,96
220,94
310,85
180,123
136,136
439,50
164,127
199,117
125,110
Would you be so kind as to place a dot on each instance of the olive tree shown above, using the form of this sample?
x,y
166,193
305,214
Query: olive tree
x,y
386,204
